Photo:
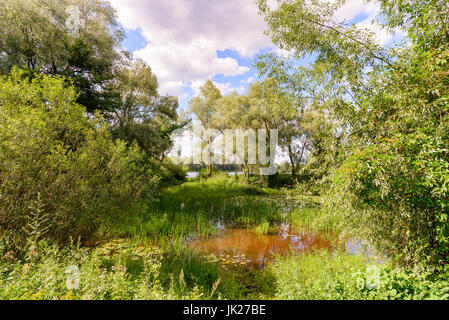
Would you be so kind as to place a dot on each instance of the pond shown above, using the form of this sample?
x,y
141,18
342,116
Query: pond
x,y
194,174
248,247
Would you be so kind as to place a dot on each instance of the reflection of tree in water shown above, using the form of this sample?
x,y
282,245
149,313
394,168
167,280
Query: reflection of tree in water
x,y
262,248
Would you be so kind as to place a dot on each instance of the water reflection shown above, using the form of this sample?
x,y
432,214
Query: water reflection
x,y
260,249
358,246
192,174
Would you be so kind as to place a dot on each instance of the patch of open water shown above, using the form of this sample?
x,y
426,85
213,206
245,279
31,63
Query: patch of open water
x,y
246,246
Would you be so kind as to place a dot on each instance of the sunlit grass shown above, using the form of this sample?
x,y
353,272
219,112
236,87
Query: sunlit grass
x,y
315,219
197,209
147,255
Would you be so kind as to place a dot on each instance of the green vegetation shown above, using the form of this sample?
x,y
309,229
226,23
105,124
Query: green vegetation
x,y
89,193
385,158
152,260
194,208
345,277
60,172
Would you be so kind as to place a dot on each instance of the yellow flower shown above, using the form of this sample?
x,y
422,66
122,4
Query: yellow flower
x,y
37,295
69,296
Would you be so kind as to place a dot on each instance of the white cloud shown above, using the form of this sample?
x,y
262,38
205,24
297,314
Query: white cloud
x,y
286,54
175,62
175,88
247,81
184,36
353,8
382,35
240,90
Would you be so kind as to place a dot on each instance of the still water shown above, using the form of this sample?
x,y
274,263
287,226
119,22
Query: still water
x,y
194,174
258,249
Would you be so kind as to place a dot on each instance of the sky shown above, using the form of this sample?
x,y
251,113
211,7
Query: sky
x,y
187,42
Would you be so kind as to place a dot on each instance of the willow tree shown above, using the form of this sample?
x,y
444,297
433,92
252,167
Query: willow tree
x,y
264,106
140,114
204,108
395,107
82,44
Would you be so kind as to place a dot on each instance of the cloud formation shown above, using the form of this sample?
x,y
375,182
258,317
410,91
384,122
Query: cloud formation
x,y
184,37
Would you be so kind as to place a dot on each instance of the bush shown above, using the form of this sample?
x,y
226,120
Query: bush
x,y
60,168
396,181
398,188
172,174
341,276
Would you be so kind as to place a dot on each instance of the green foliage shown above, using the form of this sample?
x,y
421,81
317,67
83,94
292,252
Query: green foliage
x,y
172,174
311,27
315,219
383,113
400,175
426,22
340,276
311,136
140,114
195,208
33,35
52,152
203,106
370,124
129,272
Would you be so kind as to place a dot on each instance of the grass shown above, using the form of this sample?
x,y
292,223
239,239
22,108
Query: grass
x,y
146,256
340,276
195,208
120,270
315,219
263,228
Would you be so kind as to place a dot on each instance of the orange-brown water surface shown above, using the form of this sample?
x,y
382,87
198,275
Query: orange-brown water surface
x,y
246,246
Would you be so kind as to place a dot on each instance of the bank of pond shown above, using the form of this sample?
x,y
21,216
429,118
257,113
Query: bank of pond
x,y
217,239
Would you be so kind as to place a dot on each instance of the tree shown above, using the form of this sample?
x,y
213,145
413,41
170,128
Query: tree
x,y
393,105
233,112
204,108
140,114
61,171
263,107
343,54
34,35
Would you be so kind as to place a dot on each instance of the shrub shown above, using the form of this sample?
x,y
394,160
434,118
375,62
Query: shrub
x,y
397,188
53,153
396,181
340,276
172,174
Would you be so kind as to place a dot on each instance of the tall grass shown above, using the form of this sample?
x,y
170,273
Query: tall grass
x,y
315,219
340,276
198,209
153,261
122,270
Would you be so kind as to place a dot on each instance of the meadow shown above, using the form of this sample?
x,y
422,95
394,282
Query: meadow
x,y
149,256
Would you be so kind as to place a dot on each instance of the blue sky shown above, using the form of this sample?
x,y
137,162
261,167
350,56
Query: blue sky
x,y
187,42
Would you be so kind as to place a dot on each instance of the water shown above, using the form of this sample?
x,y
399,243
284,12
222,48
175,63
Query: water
x,y
192,174
257,249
